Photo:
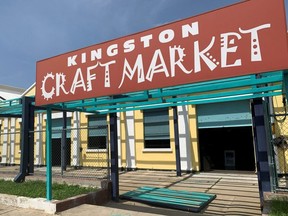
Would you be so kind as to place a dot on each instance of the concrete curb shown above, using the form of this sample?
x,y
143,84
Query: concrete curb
x,y
25,202
99,197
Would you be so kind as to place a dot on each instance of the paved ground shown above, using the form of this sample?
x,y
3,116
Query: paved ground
x,y
112,209
237,194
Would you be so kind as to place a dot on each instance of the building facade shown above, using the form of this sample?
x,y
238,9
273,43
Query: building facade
x,y
9,128
211,136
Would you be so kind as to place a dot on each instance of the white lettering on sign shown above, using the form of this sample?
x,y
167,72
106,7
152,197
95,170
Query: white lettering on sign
x,y
203,55
255,44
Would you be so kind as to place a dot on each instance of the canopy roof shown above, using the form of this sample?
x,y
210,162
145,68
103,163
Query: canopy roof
x,y
230,89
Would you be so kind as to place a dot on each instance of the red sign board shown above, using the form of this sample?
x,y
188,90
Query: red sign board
x,y
245,38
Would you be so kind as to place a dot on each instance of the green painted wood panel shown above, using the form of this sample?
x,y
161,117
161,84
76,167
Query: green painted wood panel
x,y
177,199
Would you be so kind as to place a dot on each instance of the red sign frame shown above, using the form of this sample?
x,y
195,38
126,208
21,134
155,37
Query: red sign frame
x,y
246,38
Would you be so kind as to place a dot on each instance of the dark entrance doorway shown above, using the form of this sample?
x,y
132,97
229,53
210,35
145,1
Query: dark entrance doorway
x,y
228,148
56,149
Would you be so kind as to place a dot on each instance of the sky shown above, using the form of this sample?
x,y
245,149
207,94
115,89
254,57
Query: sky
x,y
33,30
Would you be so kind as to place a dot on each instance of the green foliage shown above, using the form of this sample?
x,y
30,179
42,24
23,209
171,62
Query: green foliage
x,y
37,189
279,207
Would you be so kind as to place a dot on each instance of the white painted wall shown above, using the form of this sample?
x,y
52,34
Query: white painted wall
x,y
184,138
9,92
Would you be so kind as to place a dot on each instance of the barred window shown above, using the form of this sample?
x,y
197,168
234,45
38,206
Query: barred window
x,y
97,131
156,128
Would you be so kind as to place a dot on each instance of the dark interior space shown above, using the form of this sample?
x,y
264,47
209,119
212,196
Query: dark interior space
x,y
228,148
56,149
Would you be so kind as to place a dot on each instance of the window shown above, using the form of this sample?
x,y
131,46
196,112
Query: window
x,y
97,131
156,128
57,128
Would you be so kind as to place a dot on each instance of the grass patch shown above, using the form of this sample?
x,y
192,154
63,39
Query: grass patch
x,y
279,207
37,189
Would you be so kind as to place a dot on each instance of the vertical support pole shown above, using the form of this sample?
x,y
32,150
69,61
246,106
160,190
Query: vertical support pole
x,y
177,143
261,146
27,140
114,156
49,155
31,136
64,143
25,136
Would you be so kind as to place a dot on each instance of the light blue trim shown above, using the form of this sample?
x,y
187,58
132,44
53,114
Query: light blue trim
x,y
49,155
229,89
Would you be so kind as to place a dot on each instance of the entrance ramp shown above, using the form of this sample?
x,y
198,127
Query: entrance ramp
x,y
176,199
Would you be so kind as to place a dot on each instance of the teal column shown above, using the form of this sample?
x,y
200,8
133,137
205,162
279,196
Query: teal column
x,y
49,155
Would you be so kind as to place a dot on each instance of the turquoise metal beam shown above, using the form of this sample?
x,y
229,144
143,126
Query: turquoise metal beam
x,y
206,87
139,99
227,93
139,105
192,102
109,101
119,106
196,93
205,97
224,99
49,155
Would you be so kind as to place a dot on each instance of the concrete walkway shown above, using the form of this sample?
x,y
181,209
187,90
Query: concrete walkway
x,y
14,211
112,209
237,194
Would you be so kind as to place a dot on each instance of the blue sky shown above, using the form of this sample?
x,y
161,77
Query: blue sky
x,y
32,30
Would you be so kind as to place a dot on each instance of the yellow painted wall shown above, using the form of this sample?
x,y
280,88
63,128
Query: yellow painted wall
x,y
1,149
43,142
9,141
159,159
145,158
194,138
123,137
150,159
31,91
17,142
90,157
1,139
281,128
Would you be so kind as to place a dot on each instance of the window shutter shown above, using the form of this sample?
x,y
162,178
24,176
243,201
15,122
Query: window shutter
x,y
97,125
156,124
57,127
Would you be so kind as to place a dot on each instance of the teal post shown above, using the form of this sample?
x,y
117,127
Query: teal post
x,y
49,155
